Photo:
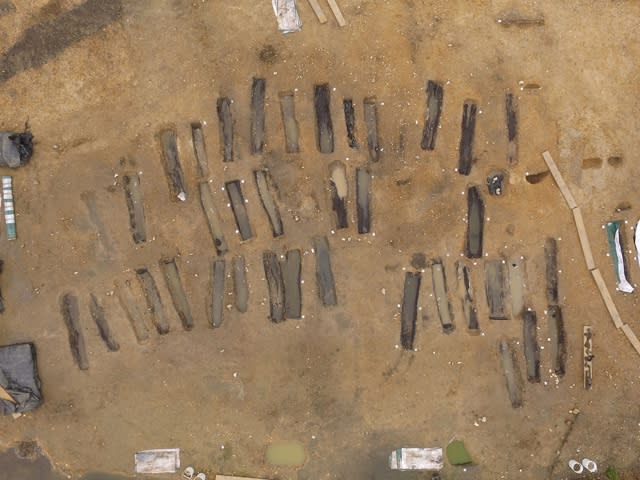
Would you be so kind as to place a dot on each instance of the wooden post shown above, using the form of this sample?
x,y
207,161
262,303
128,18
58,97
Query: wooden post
x,y
632,337
584,239
606,297
564,189
317,9
337,13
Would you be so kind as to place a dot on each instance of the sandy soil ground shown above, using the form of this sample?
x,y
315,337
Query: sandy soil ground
x,y
334,381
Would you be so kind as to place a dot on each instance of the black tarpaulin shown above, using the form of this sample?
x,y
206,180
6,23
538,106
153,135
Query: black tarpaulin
x,y
19,378
15,148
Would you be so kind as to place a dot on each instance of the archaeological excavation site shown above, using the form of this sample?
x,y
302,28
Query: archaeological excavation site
x,y
319,239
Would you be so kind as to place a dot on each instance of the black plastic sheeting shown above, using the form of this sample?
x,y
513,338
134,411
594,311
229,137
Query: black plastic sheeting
x,y
15,148
19,377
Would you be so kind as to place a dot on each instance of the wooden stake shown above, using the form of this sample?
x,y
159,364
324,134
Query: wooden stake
x,y
564,189
584,239
606,297
632,337
337,13
317,9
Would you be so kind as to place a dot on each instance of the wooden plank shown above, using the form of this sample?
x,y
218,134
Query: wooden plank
x,y
169,269
468,127
465,290
324,274
71,316
135,205
239,208
584,239
200,149
154,302
551,265
350,122
564,189
291,130
173,169
257,115
517,284
371,124
531,348
240,285
216,306
225,119
511,372
632,337
435,95
264,182
213,218
587,352
317,9
363,187
512,129
324,125
442,297
98,315
409,313
606,297
338,186
496,289
275,283
130,306
337,13
475,223
558,345
291,268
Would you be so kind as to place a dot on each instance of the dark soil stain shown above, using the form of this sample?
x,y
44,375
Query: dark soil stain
x,y
51,10
623,206
44,41
6,7
534,178
268,55
27,462
591,163
615,161
419,261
